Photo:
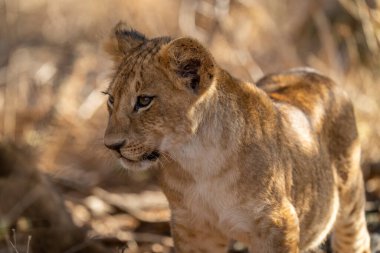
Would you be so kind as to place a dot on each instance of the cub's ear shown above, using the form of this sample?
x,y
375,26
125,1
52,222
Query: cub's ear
x,y
122,41
189,64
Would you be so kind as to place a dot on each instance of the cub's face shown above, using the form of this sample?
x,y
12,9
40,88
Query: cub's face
x,y
152,96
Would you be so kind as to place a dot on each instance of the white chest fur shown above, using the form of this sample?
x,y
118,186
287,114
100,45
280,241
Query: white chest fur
x,y
213,197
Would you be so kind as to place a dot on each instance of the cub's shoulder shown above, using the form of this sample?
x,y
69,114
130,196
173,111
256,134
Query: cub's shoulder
x,y
317,96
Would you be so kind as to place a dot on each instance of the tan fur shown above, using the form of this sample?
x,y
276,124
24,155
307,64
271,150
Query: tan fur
x,y
273,164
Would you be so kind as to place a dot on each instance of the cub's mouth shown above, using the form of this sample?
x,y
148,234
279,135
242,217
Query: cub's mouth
x,y
152,156
146,157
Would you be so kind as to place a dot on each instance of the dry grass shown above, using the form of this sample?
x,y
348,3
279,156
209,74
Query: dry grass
x,y
52,69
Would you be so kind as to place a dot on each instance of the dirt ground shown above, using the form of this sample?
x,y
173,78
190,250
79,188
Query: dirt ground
x,y
61,190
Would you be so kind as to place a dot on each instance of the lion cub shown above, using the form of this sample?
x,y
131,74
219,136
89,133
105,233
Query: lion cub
x,y
275,165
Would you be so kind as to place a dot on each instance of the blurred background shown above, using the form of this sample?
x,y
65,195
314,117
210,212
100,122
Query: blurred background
x,y
61,191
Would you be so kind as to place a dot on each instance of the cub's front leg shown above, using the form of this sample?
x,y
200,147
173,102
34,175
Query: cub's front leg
x,y
196,237
276,230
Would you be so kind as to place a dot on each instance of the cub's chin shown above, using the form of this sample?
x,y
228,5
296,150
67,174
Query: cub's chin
x,y
147,161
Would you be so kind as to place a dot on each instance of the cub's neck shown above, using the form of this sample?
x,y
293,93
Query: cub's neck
x,y
224,116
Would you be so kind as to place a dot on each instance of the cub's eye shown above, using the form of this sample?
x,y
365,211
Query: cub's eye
x,y
143,101
110,101
110,98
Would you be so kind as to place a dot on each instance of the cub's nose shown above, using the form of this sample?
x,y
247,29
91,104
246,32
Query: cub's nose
x,y
115,145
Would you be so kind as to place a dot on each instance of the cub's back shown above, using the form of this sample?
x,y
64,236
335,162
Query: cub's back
x,y
305,89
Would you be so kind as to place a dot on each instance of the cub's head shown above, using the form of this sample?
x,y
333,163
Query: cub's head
x,y
153,95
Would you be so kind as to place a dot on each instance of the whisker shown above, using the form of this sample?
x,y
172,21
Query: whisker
x,y
164,156
167,157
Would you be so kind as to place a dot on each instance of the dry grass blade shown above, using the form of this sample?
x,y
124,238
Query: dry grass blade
x,y
28,243
362,12
14,236
12,245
